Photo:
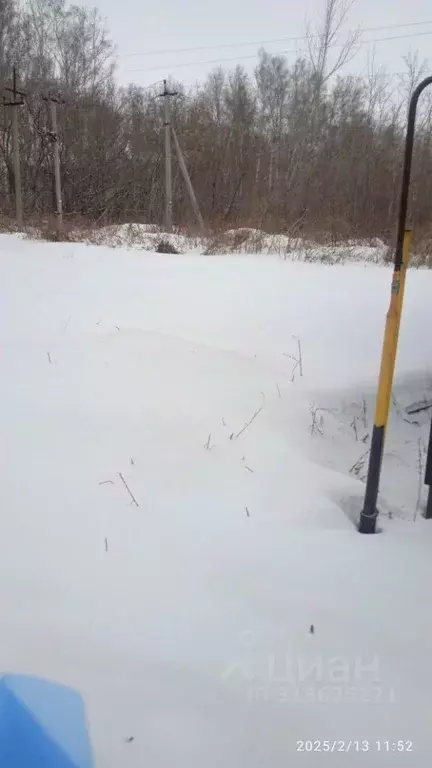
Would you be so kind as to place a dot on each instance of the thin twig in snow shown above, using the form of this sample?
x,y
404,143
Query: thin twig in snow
x,y
316,427
423,405
291,357
354,426
279,392
297,360
364,414
412,423
106,544
396,405
300,356
247,512
66,325
249,469
104,482
128,489
359,464
420,476
49,357
248,423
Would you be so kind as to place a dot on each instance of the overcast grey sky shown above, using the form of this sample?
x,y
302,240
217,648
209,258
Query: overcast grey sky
x,y
236,27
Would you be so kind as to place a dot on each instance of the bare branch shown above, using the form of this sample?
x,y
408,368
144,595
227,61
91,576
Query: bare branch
x,y
248,423
128,489
326,37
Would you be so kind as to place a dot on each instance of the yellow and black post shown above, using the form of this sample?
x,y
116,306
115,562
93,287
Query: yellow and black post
x,y
369,513
428,478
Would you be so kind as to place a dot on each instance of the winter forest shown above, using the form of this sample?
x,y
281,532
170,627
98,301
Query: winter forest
x,y
296,147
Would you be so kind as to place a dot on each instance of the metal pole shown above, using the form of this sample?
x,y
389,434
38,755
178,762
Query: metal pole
x,y
58,194
406,175
428,511
188,182
168,160
428,477
369,512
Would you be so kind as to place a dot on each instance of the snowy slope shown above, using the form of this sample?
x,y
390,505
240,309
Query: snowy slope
x,y
184,617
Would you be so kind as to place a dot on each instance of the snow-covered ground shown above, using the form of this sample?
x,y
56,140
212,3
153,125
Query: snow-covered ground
x,y
201,581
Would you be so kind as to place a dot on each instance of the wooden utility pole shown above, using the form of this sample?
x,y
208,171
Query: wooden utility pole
x,y
56,155
17,101
169,129
166,95
168,163
188,182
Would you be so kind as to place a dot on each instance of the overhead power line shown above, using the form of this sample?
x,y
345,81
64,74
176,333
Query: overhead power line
x,y
221,46
274,53
198,63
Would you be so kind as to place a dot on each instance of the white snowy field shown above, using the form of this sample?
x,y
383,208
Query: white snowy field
x,y
229,611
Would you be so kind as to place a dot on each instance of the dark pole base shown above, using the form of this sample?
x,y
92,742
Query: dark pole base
x,y
428,510
367,523
369,512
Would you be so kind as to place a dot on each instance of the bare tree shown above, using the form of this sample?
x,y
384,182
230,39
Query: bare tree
x,y
416,70
379,90
298,147
324,37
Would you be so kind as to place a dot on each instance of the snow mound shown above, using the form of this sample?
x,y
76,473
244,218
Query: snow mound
x,y
243,240
145,237
248,240
178,495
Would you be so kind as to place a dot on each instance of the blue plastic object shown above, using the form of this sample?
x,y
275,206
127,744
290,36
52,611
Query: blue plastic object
x,y
42,725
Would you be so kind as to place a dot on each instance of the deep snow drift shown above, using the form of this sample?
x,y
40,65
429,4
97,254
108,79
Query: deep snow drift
x,y
200,581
